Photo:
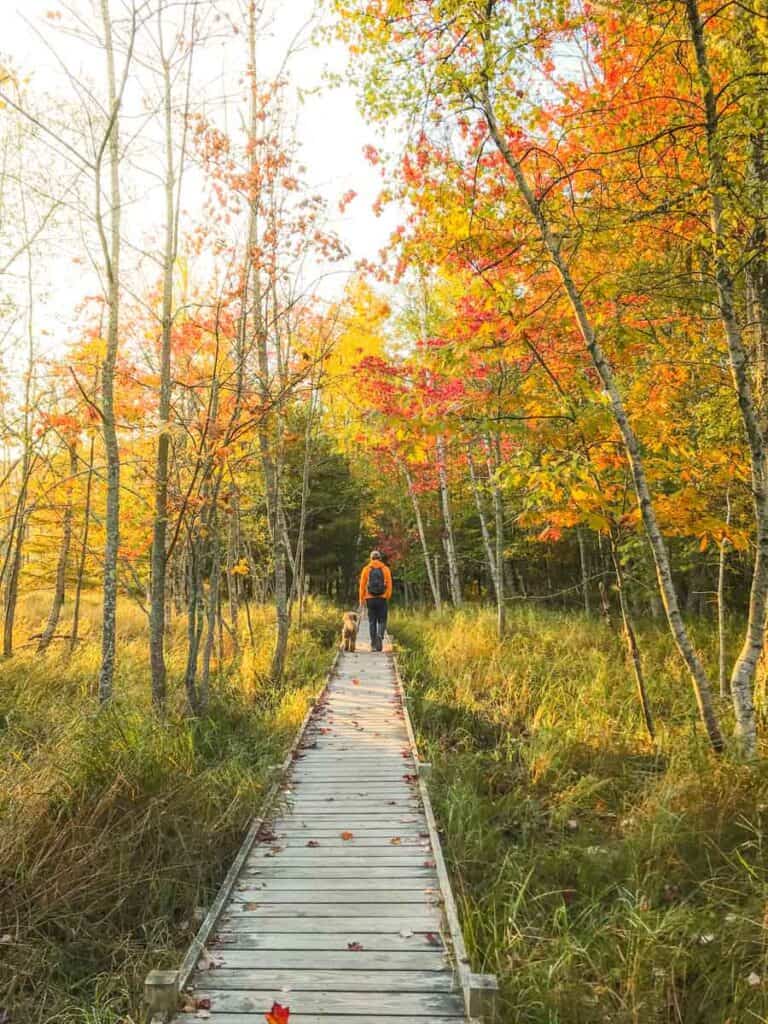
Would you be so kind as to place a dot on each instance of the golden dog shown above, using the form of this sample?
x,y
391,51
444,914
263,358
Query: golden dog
x,y
349,624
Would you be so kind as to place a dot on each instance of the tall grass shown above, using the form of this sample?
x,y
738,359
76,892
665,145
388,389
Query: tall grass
x,y
115,827
601,877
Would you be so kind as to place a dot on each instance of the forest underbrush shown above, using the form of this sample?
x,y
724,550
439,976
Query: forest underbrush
x,y
604,878
116,826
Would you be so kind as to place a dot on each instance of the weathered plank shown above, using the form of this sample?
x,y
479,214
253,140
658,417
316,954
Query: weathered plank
x,y
311,980
320,883
336,871
406,941
396,1004
351,925
317,1018
324,959
336,897
274,911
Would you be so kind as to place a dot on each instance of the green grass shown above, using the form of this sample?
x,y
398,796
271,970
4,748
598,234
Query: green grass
x,y
602,878
116,827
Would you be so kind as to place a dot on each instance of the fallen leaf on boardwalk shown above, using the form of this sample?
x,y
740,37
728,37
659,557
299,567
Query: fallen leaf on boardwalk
x,y
355,682
409,778
432,939
355,947
203,1015
395,840
313,842
251,906
429,863
393,803
406,933
423,835
203,1003
347,835
278,1014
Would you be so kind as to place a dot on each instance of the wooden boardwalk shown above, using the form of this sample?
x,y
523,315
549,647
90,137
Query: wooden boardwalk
x,y
337,909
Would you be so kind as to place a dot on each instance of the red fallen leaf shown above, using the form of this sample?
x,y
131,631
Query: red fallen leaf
x,y
203,1004
355,682
432,939
409,777
355,947
278,1014
429,863
347,835
313,842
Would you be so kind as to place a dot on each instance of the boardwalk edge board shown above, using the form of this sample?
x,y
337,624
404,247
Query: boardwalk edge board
x,y
162,988
480,991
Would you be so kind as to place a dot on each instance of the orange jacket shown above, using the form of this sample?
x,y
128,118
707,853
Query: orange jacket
x,y
364,581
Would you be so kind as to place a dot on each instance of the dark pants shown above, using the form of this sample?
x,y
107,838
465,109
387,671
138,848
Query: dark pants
x,y
377,620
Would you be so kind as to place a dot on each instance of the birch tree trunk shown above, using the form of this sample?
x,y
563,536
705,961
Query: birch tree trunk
x,y
63,562
158,558
268,462
631,641
490,556
743,672
449,541
698,676
434,585
111,255
722,653
83,548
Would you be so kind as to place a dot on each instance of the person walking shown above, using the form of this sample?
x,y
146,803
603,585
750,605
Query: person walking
x,y
375,592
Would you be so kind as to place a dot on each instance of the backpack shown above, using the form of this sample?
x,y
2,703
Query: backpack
x,y
377,584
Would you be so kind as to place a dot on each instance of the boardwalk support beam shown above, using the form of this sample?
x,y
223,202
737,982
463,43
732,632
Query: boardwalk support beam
x,y
481,996
161,993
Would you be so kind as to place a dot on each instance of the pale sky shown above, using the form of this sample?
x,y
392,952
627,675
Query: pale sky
x,y
330,130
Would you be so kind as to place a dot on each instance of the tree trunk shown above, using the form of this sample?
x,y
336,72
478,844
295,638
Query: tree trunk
x,y
722,652
584,570
61,567
631,640
449,541
158,558
699,679
211,610
434,585
490,555
83,548
111,255
744,669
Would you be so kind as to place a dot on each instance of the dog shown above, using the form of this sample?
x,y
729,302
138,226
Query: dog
x,y
349,624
